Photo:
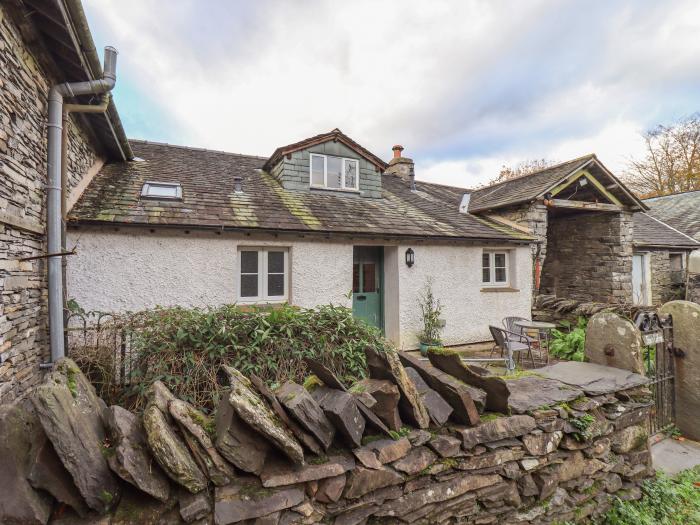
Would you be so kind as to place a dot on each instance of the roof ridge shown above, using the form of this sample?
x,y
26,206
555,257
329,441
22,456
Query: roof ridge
x,y
671,227
671,195
553,166
195,148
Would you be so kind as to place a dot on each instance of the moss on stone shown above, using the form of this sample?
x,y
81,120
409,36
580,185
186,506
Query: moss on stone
x,y
312,382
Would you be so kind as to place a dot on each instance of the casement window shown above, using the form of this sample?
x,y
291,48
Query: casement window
x,y
335,173
494,268
161,190
263,274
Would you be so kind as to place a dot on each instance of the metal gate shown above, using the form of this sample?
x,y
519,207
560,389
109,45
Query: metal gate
x,y
657,335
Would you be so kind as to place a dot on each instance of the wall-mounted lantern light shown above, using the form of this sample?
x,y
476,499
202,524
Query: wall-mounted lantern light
x,y
410,257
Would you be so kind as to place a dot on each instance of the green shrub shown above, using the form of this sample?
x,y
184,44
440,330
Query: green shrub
x,y
185,348
569,345
665,501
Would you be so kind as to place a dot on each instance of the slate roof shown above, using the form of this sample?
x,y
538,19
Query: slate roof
x,y
529,187
681,210
209,200
649,231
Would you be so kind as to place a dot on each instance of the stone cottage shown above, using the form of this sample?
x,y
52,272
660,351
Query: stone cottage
x,y
41,44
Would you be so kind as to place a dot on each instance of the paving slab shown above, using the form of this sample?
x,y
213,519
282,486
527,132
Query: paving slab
x,y
532,392
671,455
592,378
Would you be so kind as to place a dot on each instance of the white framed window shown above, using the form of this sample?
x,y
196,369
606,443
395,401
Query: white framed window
x,y
263,274
337,173
494,268
161,190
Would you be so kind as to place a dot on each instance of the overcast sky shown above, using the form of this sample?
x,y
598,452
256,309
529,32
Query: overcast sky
x,y
465,86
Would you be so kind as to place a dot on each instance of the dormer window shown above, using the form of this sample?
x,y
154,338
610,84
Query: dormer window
x,y
337,173
162,190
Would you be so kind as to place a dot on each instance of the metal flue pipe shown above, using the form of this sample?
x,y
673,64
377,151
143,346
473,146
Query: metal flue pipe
x,y
54,189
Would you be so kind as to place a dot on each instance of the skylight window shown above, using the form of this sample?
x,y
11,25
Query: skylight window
x,y
161,190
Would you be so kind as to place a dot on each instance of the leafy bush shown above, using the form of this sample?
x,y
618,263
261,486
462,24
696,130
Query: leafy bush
x,y
569,345
185,348
665,501
431,309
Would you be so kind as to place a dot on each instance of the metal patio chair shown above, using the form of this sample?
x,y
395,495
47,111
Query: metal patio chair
x,y
511,342
510,326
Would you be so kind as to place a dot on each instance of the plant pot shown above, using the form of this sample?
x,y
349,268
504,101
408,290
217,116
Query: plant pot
x,y
424,347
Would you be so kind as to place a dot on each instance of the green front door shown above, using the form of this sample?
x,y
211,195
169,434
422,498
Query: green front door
x,y
367,285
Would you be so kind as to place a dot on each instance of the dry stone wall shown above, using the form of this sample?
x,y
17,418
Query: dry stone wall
x,y
24,87
589,257
324,454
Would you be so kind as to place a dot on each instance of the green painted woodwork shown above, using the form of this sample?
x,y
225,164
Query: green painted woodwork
x,y
368,285
584,173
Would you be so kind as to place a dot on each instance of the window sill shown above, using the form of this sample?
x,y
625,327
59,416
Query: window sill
x,y
499,289
336,190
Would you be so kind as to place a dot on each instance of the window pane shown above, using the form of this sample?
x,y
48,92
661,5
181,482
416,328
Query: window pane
x,y
316,170
485,260
500,260
275,285
500,275
249,285
485,275
275,262
249,262
355,278
350,173
156,190
335,171
368,278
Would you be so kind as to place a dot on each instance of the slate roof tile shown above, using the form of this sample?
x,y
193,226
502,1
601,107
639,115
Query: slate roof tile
x,y
209,199
681,211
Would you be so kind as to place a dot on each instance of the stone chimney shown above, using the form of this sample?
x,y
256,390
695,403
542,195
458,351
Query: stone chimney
x,y
402,167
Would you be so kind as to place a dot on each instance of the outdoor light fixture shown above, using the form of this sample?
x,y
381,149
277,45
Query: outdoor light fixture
x,y
410,257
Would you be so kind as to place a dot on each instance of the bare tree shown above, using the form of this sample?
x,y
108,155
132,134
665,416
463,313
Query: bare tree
x,y
524,167
671,163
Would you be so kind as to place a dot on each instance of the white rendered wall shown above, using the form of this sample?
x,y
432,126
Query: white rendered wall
x,y
136,269
456,275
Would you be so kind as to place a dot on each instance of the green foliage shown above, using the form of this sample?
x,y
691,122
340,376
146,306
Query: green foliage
x,y
185,348
402,432
582,425
665,501
569,345
649,354
431,309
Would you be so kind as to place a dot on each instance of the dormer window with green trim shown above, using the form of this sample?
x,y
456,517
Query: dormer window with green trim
x,y
336,173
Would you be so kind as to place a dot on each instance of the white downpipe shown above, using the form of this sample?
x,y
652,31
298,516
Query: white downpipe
x,y
55,123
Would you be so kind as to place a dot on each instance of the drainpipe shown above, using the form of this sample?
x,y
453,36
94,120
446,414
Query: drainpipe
x,y
54,190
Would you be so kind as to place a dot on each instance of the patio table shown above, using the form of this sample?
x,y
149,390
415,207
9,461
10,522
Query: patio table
x,y
541,327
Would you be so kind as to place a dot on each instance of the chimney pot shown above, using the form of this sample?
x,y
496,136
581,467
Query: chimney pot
x,y
397,151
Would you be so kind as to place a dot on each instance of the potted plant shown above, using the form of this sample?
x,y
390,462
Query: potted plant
x,y
431,308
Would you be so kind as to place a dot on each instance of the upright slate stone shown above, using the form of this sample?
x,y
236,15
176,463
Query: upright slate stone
x,y
386,395
306,411
302,435
386,365
341,410
130,457
19,502
76,442
466,401
438,409
496,389
251,408
192,425
170,451
238,442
